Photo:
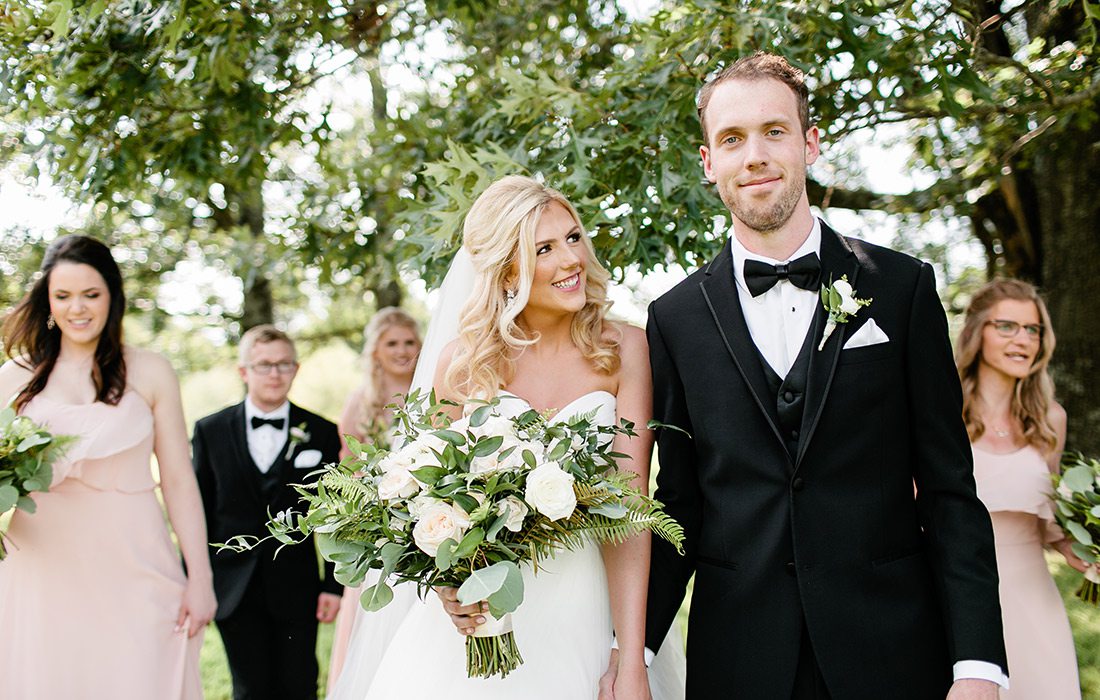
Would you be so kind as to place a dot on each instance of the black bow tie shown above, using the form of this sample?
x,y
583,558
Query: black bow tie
x,y
802,273
276,423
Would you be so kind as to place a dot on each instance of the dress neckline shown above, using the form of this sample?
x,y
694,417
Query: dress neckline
x,y
561,410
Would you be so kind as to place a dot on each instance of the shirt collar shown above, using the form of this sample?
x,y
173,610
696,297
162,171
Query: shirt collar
x,y
740,254
251,409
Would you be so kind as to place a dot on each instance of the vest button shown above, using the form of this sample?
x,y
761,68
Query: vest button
x,y
794,433
788,396
797,484
790,568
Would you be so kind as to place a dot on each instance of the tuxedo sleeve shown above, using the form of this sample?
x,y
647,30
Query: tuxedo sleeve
x,y
204,475
677,489
956,525
330,454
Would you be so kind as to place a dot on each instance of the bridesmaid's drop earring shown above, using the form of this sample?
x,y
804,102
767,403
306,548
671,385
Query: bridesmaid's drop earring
x,y
509,297
50,323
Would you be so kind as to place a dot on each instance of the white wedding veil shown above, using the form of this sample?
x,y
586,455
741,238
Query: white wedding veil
x,y
372,632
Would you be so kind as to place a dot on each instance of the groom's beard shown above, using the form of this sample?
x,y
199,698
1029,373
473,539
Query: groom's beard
x,y
765,218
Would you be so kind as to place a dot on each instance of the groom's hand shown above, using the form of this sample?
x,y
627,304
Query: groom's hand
x,y
464,617
973,689
607,681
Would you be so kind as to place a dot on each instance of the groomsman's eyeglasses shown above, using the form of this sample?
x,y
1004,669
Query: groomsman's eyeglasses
x,y
280,367
1009,329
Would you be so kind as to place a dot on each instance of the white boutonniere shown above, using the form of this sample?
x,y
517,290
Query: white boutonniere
x,y
298,435
841,302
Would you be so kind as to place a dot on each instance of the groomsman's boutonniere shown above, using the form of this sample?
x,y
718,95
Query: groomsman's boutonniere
x,y
841,302
298,435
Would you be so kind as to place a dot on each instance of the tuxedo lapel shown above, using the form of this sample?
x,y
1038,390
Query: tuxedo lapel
x,y
241,457
837,259
720,293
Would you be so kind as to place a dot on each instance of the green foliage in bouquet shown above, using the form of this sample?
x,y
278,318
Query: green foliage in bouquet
x,y
1077,510
464,503
27,454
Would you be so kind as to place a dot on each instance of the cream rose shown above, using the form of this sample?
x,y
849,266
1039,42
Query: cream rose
x,y
397,483
438,522
515,510
550,491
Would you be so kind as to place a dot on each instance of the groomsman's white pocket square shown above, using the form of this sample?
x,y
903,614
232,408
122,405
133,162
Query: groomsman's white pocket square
x,y
307,459
868,334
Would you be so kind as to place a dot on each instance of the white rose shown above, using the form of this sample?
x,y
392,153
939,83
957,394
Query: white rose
x,y
397,483
495,425
515,510
418,505
550,491
844,288
437,523
1065,492
849,305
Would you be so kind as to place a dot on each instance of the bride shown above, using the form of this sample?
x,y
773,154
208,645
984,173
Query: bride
x,y
534,332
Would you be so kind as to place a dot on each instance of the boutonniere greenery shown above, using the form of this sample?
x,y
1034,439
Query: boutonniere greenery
x,y
298,435
841,302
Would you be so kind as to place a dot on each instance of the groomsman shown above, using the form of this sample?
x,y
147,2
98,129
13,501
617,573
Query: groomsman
x,y
247,458
818,575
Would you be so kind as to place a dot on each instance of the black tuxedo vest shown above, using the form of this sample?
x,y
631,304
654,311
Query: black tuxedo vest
x,y
790,393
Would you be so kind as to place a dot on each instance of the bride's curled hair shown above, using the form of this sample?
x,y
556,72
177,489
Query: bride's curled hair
x,y
499,235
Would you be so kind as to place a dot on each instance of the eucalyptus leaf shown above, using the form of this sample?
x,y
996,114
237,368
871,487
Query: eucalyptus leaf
x,y
337,550
376,597
443,554
1079,532
480,415
450,436
9,496
1078,479
1083,552
487,446
615,511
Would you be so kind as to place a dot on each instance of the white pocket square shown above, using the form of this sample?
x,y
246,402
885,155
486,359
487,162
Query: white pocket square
x,y
307,459
868,334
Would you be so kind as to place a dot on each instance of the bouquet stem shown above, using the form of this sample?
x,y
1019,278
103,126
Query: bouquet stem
x,y
1090,587
492,649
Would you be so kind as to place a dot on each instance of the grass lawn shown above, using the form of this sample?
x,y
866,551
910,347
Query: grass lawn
x,y
1084,618
215,672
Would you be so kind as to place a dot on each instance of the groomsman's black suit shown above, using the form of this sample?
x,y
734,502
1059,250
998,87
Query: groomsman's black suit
x,y
814,564
267,605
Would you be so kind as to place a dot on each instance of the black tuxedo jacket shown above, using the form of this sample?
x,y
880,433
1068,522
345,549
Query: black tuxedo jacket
x,y
892,589
234,501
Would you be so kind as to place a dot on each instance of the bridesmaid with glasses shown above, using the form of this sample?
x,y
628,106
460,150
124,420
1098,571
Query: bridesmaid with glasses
x,y
1017,432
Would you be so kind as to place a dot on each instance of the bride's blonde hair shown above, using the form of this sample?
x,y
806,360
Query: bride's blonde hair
x,y
499,234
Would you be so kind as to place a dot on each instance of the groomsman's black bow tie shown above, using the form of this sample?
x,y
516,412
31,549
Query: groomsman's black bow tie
x,y
276,423
802,273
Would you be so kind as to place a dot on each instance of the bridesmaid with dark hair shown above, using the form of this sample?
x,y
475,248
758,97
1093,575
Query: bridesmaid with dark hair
x,y
93,600
1017,432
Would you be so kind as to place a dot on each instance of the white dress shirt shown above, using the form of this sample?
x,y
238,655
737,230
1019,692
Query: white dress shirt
x,y
778,319
265,442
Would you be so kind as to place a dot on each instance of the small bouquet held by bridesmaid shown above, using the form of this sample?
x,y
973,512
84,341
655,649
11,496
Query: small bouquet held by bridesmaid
x,y
465,503
1077,510
27,454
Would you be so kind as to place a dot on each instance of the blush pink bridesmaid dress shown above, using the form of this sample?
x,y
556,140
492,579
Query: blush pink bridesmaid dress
x,y
91,588
1042,662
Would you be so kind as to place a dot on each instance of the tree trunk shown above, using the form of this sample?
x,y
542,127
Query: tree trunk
x,y
1067,168
259,305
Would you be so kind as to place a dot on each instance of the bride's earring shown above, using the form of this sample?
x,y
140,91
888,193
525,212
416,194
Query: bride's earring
x,y
50,323
509,297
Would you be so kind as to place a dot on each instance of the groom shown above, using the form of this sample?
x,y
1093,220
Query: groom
x,y
247,459
817,572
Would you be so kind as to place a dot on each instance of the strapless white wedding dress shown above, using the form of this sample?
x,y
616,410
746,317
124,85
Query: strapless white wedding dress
x,y
410,650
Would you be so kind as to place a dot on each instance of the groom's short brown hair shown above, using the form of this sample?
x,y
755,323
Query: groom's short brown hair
x,y
759,66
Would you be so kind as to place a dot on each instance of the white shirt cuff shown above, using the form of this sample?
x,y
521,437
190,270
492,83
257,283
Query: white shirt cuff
x,y
648,653
980,670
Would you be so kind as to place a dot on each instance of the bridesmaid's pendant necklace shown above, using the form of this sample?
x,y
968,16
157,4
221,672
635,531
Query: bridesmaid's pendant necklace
x,y
1001,433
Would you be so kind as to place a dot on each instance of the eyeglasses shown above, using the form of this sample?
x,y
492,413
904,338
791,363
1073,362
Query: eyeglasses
x,y
280,367
1009,329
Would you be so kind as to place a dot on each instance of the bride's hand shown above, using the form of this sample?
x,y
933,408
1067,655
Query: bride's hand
x,y
464,617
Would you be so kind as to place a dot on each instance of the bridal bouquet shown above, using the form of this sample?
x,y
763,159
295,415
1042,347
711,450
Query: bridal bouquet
x,y
465,503
1077,510
27,454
